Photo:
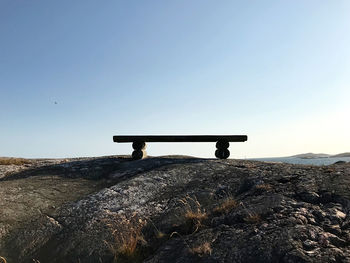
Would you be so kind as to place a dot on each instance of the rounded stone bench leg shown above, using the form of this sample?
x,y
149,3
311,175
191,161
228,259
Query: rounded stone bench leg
x,y
222,151
139,150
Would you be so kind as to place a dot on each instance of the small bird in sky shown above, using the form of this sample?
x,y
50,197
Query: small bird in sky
x,y
56,102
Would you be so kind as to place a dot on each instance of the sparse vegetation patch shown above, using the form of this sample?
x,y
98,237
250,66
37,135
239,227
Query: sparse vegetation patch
x,y
13,161
127,239
226,206
264,187
194,213
203,249
252,218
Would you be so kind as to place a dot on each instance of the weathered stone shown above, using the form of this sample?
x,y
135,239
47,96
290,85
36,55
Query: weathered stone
x,y
340,162
173,209
334,229
310,197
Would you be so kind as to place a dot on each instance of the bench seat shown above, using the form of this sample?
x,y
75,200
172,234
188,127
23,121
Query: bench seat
x,y
139,142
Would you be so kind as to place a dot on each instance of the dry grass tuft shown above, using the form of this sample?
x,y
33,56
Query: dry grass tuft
x,y
2,260
13,161
127,238
194,213
160,235
129,245
226,206
252,218
203,249
264,187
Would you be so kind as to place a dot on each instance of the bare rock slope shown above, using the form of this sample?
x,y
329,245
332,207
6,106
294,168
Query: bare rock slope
x,y
173,209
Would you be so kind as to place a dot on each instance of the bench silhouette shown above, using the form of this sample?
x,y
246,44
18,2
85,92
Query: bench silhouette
x,y
139,142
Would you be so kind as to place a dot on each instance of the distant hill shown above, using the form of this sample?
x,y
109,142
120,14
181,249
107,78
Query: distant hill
x,y
320,155
342,155
311,155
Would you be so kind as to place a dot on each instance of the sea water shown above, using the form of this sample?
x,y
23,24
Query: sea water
x,y
311,161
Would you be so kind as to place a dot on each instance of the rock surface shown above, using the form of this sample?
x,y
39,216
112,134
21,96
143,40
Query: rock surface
x,y
173,209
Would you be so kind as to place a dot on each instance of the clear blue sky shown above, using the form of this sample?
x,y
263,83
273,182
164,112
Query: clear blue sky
x,y
278,71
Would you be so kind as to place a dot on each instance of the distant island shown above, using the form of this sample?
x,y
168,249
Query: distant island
x,y
320,155
342,155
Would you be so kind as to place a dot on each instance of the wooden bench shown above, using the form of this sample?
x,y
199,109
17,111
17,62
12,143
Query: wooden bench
x,y
139,142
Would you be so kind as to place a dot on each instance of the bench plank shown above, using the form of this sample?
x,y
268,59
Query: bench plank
x,y
179,138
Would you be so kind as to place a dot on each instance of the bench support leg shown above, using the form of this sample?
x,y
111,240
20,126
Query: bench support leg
x,y
222,151
139,150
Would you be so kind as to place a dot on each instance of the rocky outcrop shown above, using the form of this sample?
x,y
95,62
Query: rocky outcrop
x,y
174,209
340,162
